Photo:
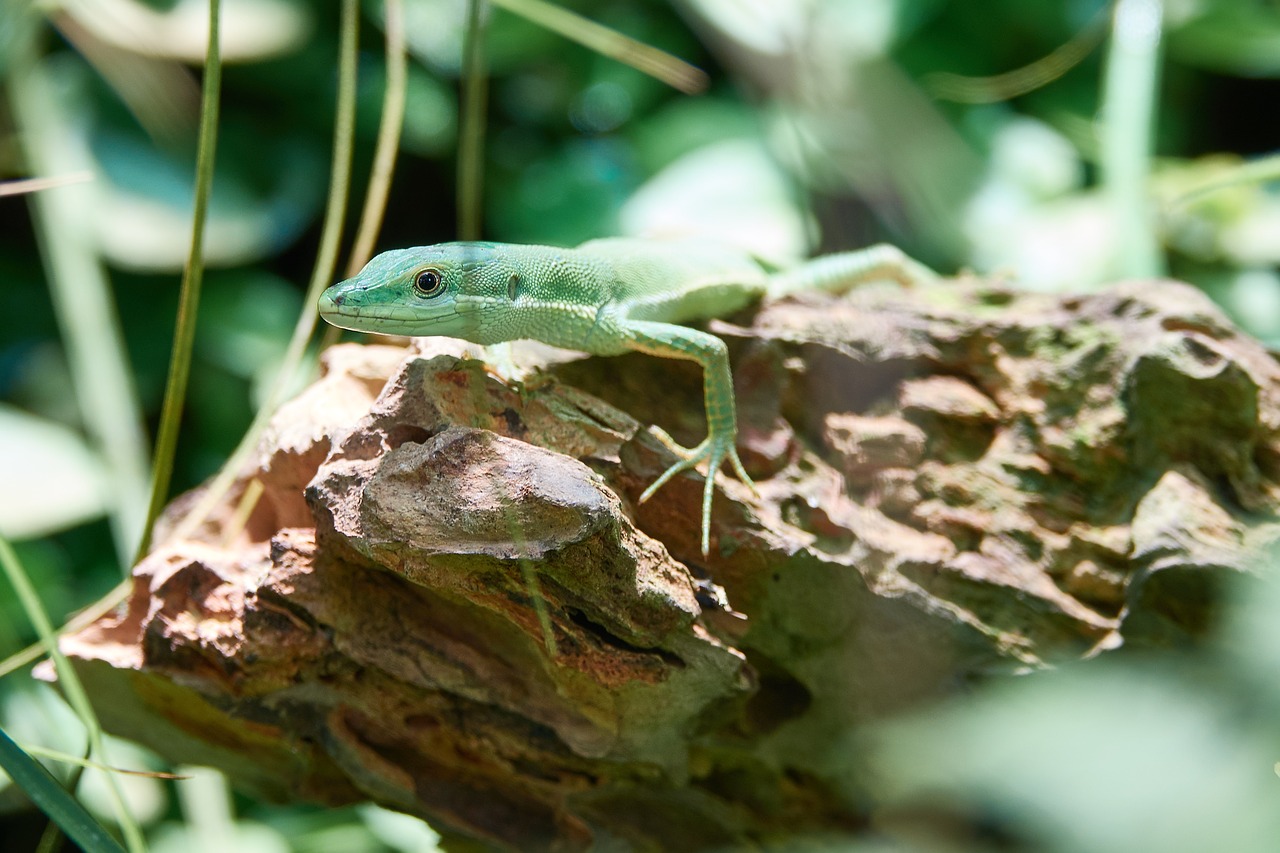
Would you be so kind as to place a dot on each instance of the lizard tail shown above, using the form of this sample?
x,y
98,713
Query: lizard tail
x,y
844,271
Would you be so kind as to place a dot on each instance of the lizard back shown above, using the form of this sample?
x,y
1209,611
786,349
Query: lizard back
x,y
678,280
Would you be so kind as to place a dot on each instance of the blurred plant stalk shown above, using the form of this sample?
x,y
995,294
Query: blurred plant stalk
x,y
1128,120
82,299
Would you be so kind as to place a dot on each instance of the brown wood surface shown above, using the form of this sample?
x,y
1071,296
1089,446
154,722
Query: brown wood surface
x,y
955,482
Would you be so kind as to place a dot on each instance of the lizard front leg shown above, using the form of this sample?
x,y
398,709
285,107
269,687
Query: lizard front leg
x,y
671,341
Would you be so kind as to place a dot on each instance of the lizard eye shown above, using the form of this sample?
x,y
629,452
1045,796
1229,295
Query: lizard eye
x,y
428,283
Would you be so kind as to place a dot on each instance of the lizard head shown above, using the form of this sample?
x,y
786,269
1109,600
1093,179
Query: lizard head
x,y
444,289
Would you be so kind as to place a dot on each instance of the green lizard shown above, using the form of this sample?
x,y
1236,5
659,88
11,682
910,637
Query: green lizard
x,y
605,297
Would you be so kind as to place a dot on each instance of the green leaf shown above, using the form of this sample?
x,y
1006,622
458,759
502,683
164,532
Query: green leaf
x,y
52,479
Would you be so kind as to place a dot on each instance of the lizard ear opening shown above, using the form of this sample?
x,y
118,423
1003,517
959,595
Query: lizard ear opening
x,y
428,282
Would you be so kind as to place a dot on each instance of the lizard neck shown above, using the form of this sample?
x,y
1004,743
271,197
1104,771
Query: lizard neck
x,y
553,295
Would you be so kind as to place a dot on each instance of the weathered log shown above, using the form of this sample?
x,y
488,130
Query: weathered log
x,y
448,601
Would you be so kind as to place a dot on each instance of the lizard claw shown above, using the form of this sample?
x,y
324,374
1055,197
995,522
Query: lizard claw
x,y
713,450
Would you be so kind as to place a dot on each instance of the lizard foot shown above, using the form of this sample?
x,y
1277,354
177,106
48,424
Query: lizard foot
x,y
713,450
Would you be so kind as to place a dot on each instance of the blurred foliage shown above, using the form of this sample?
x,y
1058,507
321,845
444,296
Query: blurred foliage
x,y
1170,751
827,124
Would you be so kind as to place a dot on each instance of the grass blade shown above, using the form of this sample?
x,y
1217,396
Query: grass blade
x,y
70,683
53,800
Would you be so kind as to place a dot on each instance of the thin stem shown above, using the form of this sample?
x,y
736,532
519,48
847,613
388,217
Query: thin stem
x,y
1028,78
384,155
322,274
189,296
608,42
1261,171
475,98
83,619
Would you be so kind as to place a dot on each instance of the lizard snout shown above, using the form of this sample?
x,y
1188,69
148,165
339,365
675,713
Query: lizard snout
x,y
330,301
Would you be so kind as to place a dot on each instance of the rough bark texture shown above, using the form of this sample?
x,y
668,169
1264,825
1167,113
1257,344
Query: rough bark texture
x,y
447,600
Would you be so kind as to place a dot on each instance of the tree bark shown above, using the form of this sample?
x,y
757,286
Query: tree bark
x,y
447,599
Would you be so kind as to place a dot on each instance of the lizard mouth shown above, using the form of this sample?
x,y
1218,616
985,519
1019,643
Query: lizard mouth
x,y
391,319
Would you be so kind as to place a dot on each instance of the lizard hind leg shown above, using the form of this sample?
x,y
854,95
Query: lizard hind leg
x,y
688,458
844,271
